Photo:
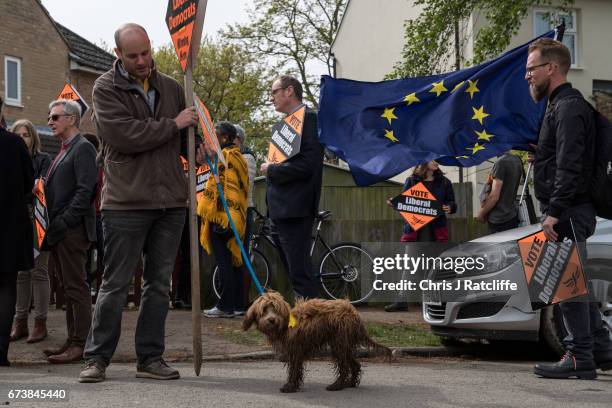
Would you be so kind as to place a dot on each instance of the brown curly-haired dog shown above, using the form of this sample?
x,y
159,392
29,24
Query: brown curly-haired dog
x,y
309,327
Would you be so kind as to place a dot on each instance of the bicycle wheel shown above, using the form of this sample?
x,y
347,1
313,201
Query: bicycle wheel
x,y
261,267
342,271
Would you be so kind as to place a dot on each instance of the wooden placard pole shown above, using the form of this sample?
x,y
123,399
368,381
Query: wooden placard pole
x,y
196,317
186,33
194,239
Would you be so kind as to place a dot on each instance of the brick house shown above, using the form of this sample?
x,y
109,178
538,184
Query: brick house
x,y
38,56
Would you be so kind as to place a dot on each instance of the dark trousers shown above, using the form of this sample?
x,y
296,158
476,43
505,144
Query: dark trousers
x,y
127,234
503,226
8,297
183,288
583,320
294,237
229,291
98,246
70,256
243,277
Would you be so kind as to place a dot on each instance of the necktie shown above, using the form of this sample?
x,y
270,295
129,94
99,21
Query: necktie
x,y
57,159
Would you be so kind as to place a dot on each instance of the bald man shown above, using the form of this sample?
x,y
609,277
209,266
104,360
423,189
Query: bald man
x,y
140,117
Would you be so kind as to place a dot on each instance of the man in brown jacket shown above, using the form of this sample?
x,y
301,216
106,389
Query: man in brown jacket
x,y
139,114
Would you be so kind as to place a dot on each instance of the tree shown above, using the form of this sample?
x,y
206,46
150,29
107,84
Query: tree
x,y
429,37
292,35
231,85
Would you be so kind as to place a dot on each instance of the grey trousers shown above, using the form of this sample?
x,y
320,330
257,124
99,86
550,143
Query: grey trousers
x,y
127,235
34,284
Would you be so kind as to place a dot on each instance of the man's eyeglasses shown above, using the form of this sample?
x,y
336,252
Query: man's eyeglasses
x,y
274,91
531,70
56,116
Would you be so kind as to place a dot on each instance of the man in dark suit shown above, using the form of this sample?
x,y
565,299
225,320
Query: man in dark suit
x,y
69,188
294,188
16,234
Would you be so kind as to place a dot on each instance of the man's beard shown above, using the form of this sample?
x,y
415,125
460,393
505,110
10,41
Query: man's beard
x,y
538,92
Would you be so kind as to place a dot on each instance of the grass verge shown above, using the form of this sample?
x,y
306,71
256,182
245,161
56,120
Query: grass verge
x,y
402,335
392,335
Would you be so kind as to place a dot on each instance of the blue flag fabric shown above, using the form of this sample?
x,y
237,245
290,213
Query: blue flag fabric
x,y
460,118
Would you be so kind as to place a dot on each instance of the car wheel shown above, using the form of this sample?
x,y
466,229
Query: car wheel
x,y
552,329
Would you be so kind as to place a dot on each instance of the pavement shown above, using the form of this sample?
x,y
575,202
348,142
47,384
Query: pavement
x,y
222,339
241,371
411,382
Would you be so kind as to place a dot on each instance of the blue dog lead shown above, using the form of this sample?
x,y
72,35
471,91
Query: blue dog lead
x,y
245,257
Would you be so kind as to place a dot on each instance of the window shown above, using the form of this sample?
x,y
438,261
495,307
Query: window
x,y
546,20
12,80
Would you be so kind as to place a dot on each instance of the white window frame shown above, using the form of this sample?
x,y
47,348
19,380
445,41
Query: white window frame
x,y
573,31
8,100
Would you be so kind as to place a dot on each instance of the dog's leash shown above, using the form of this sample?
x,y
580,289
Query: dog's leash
x,y
245,257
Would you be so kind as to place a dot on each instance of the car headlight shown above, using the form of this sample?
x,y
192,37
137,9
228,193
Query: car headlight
x,y
500,256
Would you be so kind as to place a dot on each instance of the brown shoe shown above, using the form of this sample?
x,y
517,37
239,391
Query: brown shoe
x,y
39,332
93,372
20,329
72,354
56,350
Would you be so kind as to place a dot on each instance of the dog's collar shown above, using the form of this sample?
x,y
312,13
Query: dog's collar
x,y
292,321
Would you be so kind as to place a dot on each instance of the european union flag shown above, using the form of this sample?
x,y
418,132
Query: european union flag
x,y
460,118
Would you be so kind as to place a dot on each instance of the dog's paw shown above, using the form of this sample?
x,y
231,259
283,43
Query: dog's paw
x,y
288,388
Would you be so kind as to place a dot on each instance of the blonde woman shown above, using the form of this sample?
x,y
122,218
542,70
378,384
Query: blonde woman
x,y
35,282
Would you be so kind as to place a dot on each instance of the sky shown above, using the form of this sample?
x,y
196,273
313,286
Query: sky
x,y
97,20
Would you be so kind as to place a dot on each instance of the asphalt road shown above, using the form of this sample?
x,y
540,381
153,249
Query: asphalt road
x,y
410,382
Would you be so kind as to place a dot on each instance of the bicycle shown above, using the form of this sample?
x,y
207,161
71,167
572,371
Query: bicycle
x,y
339,271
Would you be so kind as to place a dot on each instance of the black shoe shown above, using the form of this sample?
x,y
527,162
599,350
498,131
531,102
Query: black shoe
x,y
568,366
179,304
397,307
603,360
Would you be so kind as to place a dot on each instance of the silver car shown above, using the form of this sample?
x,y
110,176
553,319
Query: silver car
x,y
508,315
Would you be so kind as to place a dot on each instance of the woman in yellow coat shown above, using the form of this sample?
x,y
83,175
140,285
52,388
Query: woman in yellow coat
x,y
216,235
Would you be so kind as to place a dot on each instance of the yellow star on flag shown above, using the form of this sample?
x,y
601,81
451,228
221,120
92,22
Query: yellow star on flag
x,y
438,88
389,135
411,98
479,114
459,85
484,135
389,115
476,148
472,88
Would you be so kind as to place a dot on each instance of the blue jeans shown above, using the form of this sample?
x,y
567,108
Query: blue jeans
x,y
127,235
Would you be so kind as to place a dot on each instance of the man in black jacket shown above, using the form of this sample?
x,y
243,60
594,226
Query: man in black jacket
x,y
69,188
294,188
16,234
562,170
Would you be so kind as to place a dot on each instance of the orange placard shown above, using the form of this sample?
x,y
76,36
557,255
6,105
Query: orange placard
x,y
70,92
553,270
180,19
287,137
208,129
41,215
418,206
